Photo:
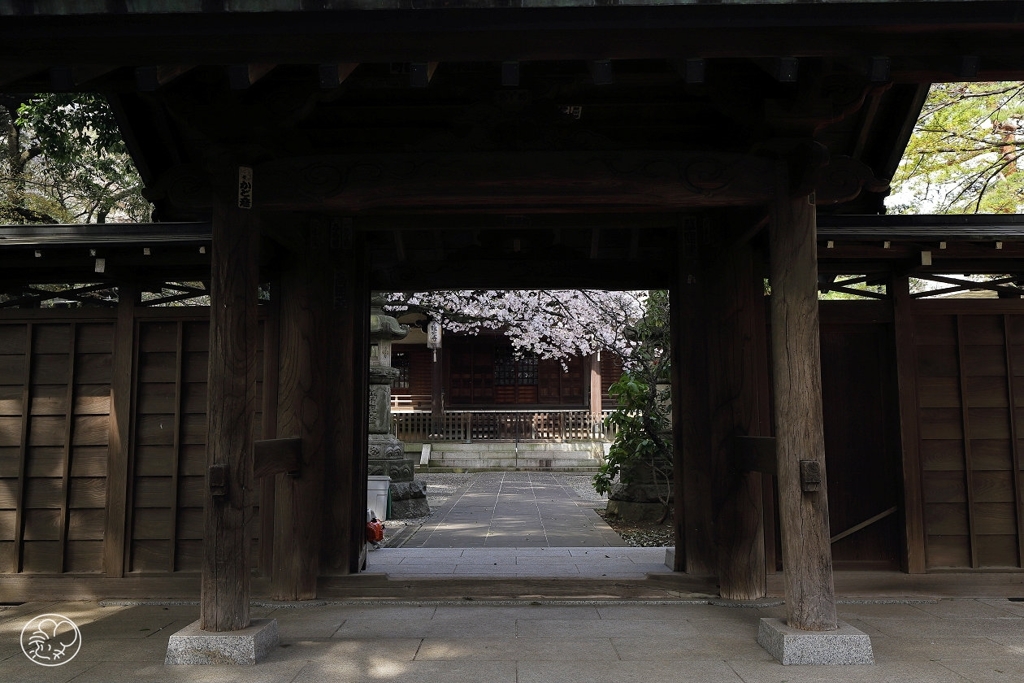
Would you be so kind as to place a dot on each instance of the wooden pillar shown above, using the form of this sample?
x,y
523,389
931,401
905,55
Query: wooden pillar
x,y
224,604
695,542
306,309
594,392
735,365
437,392
906,373
799,434
118,445
343,546
271,373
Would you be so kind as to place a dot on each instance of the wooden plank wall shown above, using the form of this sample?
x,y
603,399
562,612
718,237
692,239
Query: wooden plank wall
x,y
54,412
169,447
55,388
969,367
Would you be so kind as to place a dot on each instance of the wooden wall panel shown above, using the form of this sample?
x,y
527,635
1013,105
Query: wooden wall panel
x,y
13,340
9,494
7,564
998,551
10,395
88,492
50,368
12,370
45,461
41,557
10,462
149,556
83,557
51,338
188,555
55,471
42,525
7,522
168,452
970,399
10,431
948,551
86,525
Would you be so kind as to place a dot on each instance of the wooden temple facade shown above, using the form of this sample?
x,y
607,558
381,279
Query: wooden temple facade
x,y
321,150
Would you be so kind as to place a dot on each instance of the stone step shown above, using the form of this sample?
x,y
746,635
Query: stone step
x,y
461,470
513,463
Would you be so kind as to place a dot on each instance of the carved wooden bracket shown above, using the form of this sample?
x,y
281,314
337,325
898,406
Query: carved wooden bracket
x,y
844,178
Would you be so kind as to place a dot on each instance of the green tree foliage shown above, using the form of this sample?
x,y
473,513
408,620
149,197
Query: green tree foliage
x,y
964,154
62,160
643,418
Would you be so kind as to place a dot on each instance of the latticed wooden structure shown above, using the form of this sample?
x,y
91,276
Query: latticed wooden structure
x,y
701,148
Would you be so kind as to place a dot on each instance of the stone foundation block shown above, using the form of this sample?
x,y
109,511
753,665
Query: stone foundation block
x,y
191,645
845,645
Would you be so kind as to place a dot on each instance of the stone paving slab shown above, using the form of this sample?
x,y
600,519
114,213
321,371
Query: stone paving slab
x,y
542,561
514,509
536,643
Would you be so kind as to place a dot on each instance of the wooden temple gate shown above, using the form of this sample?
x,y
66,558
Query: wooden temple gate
x,y
331,152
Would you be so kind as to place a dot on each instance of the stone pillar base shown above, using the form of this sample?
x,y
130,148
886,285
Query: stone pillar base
x,y
845,645
191,645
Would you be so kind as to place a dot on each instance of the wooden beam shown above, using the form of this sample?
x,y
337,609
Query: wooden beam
x,y
303,409
242,76
782,69
151,78
179,362
64,78
692,484
421,73
118,444
968,442
69,428
26,413
1012,385
333,75
865,524
806,551
692,70
516,182
224,603
510,74
734,292
399,246
12,73
342,549
601,72
879,69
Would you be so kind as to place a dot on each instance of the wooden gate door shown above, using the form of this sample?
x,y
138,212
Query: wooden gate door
x,y
862,447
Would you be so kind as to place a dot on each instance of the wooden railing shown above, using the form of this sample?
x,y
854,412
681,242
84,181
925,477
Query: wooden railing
x,y
502,425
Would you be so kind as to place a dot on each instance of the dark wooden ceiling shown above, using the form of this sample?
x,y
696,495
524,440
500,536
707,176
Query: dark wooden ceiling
x,y
552,128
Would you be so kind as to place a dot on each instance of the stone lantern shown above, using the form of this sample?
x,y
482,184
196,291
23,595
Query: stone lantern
x,y
386,453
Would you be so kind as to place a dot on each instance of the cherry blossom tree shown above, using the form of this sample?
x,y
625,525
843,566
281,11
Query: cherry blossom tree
x,y
552,323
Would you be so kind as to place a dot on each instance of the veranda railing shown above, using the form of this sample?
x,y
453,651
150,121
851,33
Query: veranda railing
x,y
467,426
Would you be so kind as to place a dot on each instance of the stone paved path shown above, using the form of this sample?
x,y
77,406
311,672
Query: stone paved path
x,y
515,510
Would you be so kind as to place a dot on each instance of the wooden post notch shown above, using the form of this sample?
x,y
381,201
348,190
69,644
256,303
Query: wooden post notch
x,y
276,456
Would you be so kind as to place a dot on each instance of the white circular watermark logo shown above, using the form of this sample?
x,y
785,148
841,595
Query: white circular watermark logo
x,y
51,640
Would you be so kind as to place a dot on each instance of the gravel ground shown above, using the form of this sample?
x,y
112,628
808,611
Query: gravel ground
x,y
441,486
